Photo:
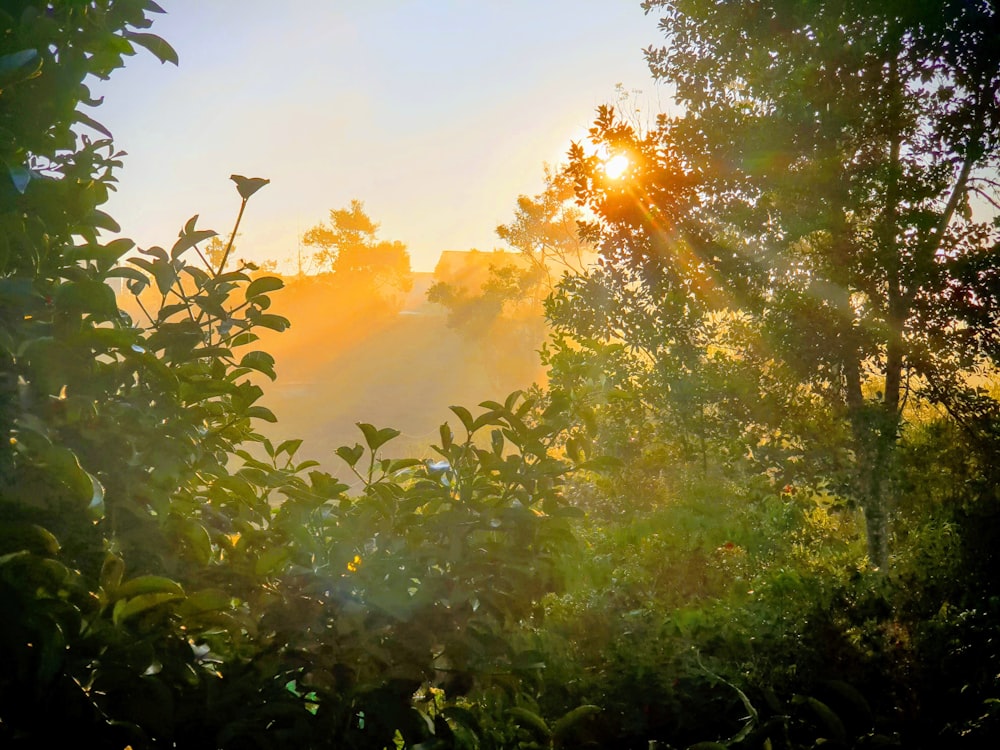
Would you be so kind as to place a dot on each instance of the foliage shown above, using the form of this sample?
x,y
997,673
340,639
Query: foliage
x,y
170,582
545,228
171,577
818,182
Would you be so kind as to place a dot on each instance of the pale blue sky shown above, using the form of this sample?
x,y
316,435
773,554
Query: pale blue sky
x,y
435,113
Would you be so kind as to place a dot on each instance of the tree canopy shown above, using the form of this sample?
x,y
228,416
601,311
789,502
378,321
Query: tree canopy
x,y
827,178
350,249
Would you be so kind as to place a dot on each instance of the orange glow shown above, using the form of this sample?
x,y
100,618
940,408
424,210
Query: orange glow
x,y
616,166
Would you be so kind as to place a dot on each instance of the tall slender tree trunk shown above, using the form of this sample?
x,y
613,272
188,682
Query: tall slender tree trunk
x,y
874,437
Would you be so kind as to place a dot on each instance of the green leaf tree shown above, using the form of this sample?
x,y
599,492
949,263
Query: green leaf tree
x,y
821,181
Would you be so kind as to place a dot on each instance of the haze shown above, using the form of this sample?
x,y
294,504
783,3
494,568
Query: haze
x,y
436,113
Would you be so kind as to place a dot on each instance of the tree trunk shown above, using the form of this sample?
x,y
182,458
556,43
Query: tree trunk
x,y
874,431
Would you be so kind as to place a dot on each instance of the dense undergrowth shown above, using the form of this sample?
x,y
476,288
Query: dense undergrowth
x,y
171,578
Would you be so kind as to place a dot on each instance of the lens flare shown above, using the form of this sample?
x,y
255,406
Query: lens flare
x,y
615,166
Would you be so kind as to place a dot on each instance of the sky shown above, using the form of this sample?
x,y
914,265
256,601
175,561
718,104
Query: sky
x,y
436,113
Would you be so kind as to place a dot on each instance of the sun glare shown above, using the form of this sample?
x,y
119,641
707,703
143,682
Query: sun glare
x,y
615,166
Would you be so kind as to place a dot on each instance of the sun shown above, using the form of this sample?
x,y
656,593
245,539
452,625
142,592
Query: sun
x,y
615,166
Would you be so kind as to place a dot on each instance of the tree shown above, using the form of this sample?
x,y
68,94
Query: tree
x,y
545,229
820,181
349,247
545,232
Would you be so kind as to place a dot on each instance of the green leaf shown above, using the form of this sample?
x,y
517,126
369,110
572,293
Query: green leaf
x,y
199,541
112,571
96,506
447,437
104,255
16,536
126,608
465,416
162,272
19,66
289,447
263,285
160,49
271,560
569,721
62,462
247,186
149,584
326,485
189,240
207,600
87,296
262,412
376,438
20,177
531,721
259,361
833,724
102,220
351,456
273,322
93,124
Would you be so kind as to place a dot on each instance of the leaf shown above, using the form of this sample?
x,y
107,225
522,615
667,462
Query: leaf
x,y
160,49
126,608
377,438
207,600
19,66
463,717
569,721
261,362
199,541
87,296
102,220
112,571
262,412
447,437
326,485
271,560
93,124
530,720
20,177
155,251
829,719
149,584
351,456
465,416
289,447
16,536
263,285
273,322
161,271
189,240
247,186
96,505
